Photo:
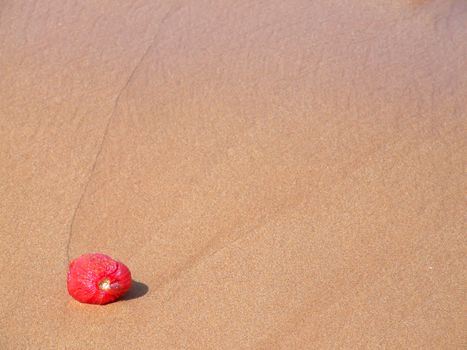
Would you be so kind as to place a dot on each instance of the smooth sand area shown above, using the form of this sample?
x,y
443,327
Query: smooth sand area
x,y
281,174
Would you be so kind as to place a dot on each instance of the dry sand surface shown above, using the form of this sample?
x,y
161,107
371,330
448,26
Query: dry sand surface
x,y
276,174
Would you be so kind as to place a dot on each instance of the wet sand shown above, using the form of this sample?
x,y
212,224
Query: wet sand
x,y
276,174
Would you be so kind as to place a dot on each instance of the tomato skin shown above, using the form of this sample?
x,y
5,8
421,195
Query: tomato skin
x,y
97,279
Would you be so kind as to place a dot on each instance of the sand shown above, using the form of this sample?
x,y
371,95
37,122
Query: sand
x,y
276,174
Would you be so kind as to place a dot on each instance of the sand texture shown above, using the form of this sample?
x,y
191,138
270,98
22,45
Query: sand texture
x,y
281,174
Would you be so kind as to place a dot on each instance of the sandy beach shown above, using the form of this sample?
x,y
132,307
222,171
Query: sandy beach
x,y
276,174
